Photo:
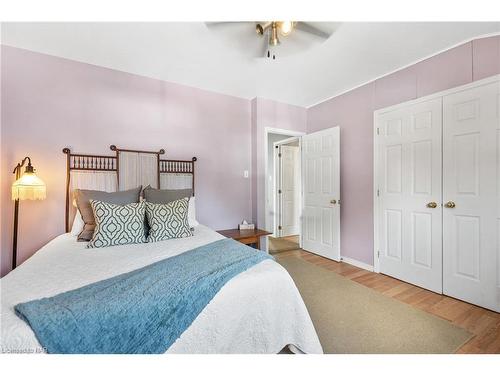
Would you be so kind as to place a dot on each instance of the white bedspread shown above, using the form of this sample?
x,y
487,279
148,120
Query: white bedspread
x,y
258,311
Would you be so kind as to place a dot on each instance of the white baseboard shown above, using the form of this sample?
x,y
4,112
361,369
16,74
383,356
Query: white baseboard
x,y
357,263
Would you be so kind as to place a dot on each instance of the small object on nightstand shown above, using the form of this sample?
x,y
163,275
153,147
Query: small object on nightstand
x,y
245,236
245,225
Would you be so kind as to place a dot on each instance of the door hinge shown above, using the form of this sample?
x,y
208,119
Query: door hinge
x,y
279,155
378,193
279,227
378,131
279,191
378,254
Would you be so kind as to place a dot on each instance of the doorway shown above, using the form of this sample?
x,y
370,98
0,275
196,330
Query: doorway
x,y
287,192
275,135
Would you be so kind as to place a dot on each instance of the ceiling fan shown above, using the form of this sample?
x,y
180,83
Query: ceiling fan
x,y
273,32
284,28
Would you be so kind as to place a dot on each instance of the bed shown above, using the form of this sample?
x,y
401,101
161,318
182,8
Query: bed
x,y
258,311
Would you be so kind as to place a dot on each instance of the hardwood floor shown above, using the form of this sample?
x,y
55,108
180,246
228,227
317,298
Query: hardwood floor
x,y
484,324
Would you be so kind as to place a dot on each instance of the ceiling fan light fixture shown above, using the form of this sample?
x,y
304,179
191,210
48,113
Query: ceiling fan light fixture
x,y
286,27
261,28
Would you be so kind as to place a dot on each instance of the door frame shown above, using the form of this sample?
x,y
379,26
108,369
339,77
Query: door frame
x,y
275,179
267,131
376,113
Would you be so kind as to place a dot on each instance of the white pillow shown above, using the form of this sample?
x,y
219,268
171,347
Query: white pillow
x,y
192,213
78,224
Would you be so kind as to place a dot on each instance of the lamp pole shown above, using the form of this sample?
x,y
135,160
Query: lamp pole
x,y
17,172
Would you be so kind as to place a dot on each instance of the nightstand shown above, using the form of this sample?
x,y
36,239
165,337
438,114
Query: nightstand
x,y
245,236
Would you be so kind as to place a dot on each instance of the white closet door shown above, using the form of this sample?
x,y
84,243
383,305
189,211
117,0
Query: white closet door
x,y
289,198
471,191
321,189
410,214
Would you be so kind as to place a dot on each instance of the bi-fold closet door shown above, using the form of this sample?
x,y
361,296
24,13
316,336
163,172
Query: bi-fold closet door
x,y
409,194
471,192
438,194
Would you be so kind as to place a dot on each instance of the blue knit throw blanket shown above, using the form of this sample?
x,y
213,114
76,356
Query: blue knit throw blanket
x,y
143,311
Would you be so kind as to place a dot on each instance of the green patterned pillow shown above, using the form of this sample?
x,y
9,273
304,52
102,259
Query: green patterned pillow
x,y
169,220
117,225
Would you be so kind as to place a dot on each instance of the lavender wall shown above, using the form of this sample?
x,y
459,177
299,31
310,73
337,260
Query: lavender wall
x,y
353,112
49,103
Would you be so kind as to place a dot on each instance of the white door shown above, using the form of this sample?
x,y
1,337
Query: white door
x,y
321,187
471,193
289,190
409,194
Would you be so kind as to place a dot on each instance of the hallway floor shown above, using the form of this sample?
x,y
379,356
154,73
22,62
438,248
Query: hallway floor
x,y
280,244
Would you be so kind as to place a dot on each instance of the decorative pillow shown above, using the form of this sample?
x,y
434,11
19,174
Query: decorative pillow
x,y
165,195
117,225
83,198
192,213
78,224
168,220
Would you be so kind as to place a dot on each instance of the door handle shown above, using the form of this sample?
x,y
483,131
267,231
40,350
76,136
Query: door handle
x,y
432,205
333,201
450,204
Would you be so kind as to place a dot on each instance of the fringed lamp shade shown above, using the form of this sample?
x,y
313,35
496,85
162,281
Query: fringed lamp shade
x,y
29,187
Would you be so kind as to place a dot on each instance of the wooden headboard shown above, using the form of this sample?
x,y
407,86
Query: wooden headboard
x,y
110,163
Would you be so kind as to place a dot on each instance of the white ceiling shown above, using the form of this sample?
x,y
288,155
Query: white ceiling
x,y
222,59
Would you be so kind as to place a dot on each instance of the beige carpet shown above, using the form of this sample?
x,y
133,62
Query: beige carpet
x,y
351,318
279,244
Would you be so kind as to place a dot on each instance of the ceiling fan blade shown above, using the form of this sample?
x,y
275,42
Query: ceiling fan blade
x,y
308,28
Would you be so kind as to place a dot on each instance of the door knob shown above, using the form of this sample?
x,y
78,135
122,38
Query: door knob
x,y
333,201
450,204
432,205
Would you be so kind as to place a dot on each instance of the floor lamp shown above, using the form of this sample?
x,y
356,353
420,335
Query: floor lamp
x,y
26,187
